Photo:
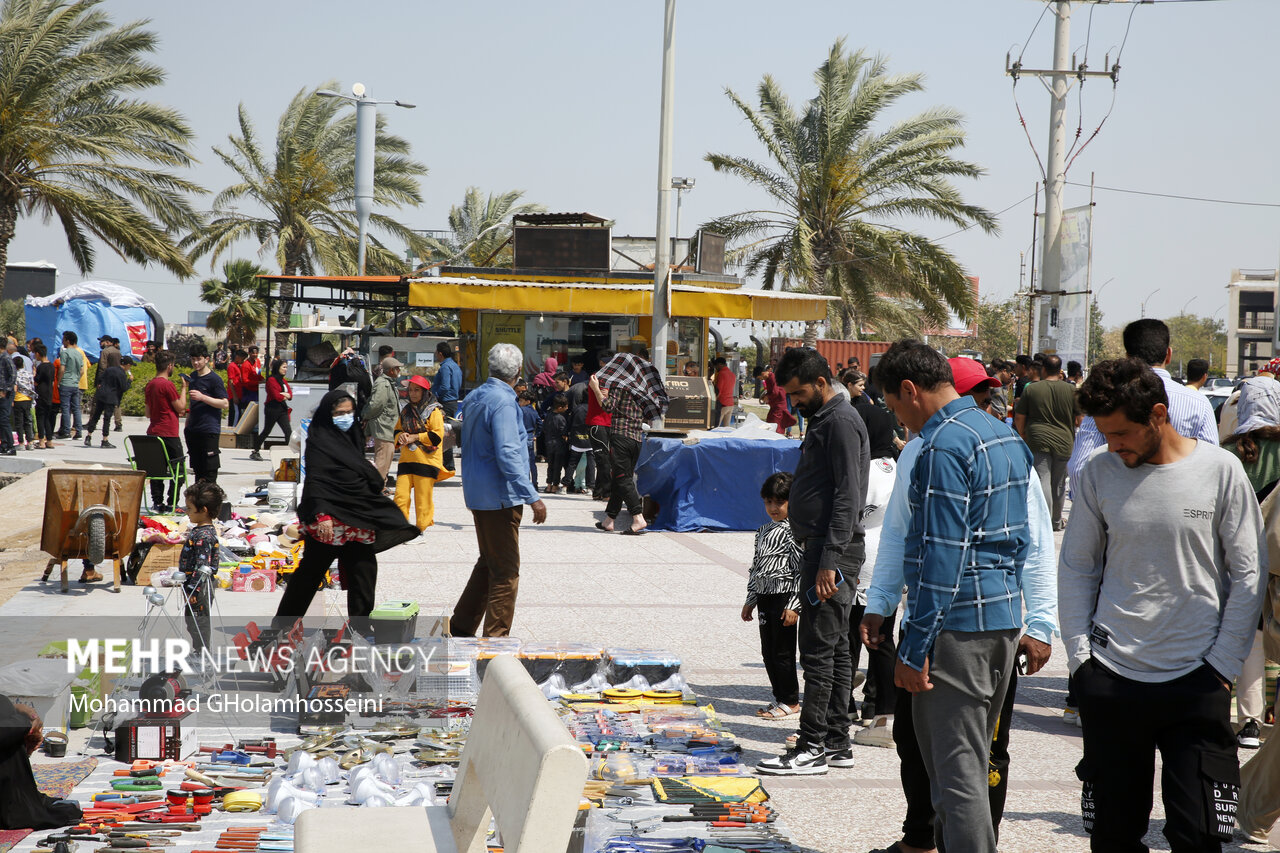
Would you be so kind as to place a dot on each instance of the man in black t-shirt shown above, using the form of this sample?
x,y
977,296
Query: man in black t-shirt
x,y
208,398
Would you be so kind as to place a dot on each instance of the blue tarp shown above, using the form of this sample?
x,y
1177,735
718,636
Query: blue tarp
x,y
712,485
90,320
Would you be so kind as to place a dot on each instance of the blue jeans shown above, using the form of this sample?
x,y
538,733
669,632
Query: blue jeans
x,y
70,397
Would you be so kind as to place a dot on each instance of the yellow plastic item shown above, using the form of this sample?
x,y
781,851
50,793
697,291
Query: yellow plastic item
x,y
242,801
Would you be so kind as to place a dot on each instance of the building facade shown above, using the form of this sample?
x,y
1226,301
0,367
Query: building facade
x,y
1251,320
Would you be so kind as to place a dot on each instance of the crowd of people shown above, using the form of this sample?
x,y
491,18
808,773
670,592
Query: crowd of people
x,y
1157,590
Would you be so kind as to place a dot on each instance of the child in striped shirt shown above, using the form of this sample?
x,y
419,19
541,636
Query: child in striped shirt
x,y
772,589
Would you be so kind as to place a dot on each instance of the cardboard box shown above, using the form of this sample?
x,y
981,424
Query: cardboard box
x,y
163,555
248,422
691,405
231,439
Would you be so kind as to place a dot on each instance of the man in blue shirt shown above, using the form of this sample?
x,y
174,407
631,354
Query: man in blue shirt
x,y
1039,594
448,388
496,488
968,540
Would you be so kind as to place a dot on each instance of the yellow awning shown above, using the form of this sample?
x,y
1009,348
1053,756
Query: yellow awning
x,y
531,297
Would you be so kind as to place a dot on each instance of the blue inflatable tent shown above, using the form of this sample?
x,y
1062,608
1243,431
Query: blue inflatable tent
x,y
92,309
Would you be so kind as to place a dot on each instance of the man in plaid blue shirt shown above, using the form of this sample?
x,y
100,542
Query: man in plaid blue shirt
x,y
968,540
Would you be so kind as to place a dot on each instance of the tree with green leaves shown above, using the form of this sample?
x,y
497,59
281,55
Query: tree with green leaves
x,y
78,145
299,199
481,229
843,192
238,299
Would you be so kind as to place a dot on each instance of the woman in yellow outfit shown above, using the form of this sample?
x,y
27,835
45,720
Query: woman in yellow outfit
x,y
420,437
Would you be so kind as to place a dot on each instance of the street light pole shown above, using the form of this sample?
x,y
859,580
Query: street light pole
x,y
1148,299
681,186
662,255
1189,301
366,145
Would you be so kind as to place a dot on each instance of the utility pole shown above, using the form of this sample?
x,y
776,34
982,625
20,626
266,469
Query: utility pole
x,y
1059,85
662,255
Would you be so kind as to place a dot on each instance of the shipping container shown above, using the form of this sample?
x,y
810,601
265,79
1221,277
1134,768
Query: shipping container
x,y
837,353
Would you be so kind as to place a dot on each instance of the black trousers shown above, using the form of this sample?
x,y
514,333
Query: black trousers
x,y
202,447
571,468
6,421
450,408
177,462
878,688
199,602
623,454
557,455
105,411
826,660
22,421
917,826
1125,722
275,413
600,451
359,572
778,648
46,415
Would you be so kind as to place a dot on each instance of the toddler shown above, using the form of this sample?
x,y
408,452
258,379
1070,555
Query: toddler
x,y
772,590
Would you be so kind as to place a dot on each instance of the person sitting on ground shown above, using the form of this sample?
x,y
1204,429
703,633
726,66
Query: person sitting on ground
x,y
772,590
22,805
419,434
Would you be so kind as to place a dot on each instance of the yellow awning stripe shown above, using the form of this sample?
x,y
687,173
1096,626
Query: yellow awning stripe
x,y
624,300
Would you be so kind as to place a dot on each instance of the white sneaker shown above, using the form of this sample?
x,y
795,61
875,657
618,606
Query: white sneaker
x,y
1071,716
795,763
879,733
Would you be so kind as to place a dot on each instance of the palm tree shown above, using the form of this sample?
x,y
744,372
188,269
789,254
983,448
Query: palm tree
x,y
840,188
481,228
302,196
76,144
239,300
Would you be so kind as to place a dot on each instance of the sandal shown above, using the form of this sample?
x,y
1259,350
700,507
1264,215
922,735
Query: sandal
x,y
777,711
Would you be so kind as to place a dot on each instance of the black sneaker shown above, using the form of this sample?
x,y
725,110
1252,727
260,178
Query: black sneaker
x,y
1250,735
108,445
256,456
88,441
806,762
119,428
840,757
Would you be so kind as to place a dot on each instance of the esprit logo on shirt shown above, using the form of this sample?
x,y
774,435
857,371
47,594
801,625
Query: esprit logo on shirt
x,y
1188,512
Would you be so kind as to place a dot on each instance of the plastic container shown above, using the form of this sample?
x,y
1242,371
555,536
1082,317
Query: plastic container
x,y
79,718
653,665
394,621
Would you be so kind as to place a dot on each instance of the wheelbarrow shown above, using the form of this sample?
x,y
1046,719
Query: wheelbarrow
x,y
91,514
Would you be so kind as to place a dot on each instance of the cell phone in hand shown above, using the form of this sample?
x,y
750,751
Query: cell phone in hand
x,y
1021,662
812,594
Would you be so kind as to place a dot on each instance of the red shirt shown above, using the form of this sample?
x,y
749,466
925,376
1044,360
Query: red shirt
x,y
726,384
276,388
160,395
250,378
596,416
233,378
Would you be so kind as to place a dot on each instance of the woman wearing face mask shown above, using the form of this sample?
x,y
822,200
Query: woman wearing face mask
x,y
343,516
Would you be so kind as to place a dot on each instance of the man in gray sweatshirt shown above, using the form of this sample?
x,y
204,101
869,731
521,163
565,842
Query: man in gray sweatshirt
x,y
1159,590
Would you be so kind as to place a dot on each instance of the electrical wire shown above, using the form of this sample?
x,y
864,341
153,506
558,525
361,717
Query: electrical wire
x,y
1177,196
1047,5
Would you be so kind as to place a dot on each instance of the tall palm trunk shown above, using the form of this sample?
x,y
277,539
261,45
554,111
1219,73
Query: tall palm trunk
x,y
8,224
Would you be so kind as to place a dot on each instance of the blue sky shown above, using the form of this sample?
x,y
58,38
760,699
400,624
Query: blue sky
x,y
560,99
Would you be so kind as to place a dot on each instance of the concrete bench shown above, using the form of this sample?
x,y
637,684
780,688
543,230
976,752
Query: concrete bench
x,y
519,766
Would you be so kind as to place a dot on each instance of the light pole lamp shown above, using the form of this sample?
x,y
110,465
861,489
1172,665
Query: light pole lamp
x,y
1148,299
681,186
1189,301
366,141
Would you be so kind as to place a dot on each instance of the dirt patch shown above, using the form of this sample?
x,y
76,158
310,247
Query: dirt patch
x,y
21,560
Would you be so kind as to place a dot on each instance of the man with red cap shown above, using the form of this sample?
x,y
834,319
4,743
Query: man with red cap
x,y
1046,416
